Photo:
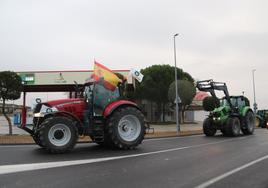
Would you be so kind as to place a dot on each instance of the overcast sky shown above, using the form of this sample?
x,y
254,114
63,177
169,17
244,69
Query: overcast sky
x,y
219,39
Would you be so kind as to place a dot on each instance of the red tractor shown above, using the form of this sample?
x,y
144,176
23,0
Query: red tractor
x,y
99,113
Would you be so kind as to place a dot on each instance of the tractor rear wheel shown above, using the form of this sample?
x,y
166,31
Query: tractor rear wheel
x,y
232,126
249,124
208,128
126,128
58,134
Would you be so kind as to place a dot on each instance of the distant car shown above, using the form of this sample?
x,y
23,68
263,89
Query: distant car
x,y
262,118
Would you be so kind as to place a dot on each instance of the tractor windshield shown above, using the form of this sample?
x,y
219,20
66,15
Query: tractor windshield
x,y
240,102
224,102
103,96
88,93
236,102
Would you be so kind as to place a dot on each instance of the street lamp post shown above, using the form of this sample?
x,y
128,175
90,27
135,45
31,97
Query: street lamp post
x,y
176,86
254,93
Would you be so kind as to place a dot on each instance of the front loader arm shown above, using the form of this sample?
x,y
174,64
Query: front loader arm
x,y
205,85
210,86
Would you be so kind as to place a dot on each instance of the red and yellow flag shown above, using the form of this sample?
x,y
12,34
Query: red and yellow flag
x,y
103,73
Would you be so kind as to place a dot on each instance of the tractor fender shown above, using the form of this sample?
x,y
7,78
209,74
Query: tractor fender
x,y
111,107
246,110
259,117
66,114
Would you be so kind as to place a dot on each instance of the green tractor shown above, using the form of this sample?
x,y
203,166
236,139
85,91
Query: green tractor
x,y
229,114
262,118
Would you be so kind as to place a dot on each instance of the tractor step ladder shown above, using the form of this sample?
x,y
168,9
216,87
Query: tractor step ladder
x,y
98,129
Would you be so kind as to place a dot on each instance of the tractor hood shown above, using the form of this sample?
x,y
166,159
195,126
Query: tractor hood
x,y
63,102
221,109
74,106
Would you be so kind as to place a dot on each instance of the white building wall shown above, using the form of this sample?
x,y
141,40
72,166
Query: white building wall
x,y
200,115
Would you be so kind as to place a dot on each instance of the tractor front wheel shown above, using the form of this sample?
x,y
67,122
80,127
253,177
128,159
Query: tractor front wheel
x,y
58,134
232,126
208,128
36,139
249,124
126,128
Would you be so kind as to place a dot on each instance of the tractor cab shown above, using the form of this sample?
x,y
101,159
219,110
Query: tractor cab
x,y
97,96
237,102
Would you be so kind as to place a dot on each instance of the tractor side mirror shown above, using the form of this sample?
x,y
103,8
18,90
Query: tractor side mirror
x,y
38,100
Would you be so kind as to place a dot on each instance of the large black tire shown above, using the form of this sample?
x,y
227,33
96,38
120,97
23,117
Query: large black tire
x,y
249,124
208,128
126,128
36,139
58,134
223,132
105,143
36,122
232,126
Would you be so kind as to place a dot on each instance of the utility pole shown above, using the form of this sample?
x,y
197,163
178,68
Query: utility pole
x,y
176,86
255,107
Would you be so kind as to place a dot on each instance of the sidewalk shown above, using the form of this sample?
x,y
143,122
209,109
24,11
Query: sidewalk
x,y
22,137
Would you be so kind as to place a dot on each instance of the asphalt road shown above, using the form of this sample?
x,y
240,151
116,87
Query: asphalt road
x,y
193,161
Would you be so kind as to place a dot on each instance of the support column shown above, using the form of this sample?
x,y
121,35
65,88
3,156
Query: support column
x,y
24,111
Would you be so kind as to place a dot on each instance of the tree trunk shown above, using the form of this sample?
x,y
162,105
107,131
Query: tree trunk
x,y
158,118
152,114
6,116
180,116
183,116
163,112
182,113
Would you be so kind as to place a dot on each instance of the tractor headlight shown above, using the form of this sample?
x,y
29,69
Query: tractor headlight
x,y
216,118
45,110
50,110
54,109
39,114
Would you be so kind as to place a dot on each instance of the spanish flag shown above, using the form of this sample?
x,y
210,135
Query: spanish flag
x,y
103,73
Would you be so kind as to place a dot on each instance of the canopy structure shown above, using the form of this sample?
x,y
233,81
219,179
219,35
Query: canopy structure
x,y
56,81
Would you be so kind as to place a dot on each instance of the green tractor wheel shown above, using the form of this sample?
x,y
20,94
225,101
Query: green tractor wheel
x,y
257,122
208,128
232,126
249,124
223,132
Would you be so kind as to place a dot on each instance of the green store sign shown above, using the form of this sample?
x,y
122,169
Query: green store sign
x,y
27,79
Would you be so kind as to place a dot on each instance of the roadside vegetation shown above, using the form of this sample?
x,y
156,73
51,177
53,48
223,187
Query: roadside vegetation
x,y
10,89
158,85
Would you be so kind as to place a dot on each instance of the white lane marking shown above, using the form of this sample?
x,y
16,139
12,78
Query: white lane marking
x,y
7,169
216,179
